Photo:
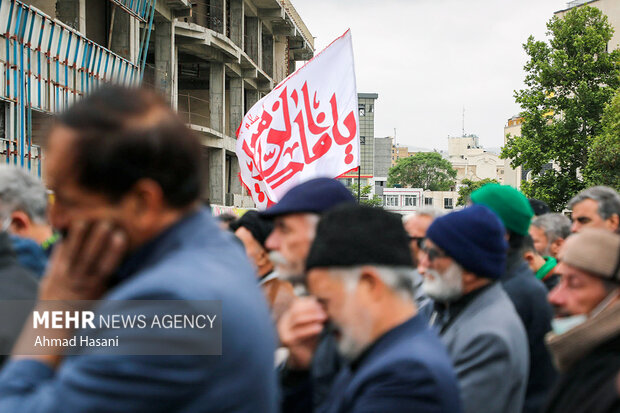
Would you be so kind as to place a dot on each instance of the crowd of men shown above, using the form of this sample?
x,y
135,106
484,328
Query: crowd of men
x,y
328,305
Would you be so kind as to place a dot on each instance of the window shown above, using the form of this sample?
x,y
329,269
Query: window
x,y
362,109
428,201
362,140
391,200
410,200
371,108
447,203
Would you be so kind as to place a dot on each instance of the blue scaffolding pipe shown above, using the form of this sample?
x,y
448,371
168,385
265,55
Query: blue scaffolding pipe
x,y
148,39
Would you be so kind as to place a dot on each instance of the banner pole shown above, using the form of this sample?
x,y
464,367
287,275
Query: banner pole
x,y
359,176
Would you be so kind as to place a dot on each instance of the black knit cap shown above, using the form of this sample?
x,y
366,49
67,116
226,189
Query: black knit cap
x,y
257,225
353,235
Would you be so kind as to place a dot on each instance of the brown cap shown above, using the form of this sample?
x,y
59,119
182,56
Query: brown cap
x,y
596,251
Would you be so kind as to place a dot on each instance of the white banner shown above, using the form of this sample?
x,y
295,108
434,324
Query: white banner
x,y
308,126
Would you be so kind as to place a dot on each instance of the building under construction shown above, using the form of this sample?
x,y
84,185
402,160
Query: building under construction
x,y
212,59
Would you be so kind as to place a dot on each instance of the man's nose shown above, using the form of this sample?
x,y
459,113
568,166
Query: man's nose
x,y
556,295
273,241
423,262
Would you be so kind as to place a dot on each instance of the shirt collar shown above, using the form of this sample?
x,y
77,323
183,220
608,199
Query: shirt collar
x,y
547,267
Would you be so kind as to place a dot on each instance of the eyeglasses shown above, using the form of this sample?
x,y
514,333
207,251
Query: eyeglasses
x,y
432,252
418,240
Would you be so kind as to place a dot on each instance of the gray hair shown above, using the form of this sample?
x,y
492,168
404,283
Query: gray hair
x,y
554,225
425,212
399,279
20,191
608,200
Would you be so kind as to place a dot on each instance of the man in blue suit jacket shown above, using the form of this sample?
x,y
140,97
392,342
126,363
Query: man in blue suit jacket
x,y
125,172
360,269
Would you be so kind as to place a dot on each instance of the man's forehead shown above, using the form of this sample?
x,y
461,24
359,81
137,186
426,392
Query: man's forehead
x,y
568,270
418,224
586,206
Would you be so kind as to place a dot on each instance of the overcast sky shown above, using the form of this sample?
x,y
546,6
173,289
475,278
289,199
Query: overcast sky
x,y
428,58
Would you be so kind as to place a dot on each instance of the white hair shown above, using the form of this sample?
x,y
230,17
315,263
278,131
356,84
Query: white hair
x,y
428,211
399,279
20,191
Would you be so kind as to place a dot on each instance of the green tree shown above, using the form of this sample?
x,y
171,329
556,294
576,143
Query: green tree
x,y
470,186
604,159
569,81
426,170
365,198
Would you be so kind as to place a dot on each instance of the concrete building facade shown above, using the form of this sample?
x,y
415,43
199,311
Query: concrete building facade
x,y
408,200
382,163
366,107
215,64
512,129
212,60
400,152
471,161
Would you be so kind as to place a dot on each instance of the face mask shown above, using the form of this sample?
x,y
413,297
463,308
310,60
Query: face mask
x,y
444,287
564,324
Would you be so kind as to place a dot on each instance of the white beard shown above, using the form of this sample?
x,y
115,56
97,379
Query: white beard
x,y
444,287
286,269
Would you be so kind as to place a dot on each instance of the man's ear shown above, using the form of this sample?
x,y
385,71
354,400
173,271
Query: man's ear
x,y
145,200
529,257
372,282
20,223
613,222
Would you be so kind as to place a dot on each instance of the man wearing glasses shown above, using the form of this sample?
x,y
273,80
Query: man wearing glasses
x,y
461,261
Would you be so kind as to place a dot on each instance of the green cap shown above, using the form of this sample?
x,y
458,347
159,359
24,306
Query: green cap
x,y
510,205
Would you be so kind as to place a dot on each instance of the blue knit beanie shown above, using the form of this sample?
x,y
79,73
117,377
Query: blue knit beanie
x,y
474,238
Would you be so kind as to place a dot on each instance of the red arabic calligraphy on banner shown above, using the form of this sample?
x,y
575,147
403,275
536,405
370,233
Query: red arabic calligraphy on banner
x,y
306,127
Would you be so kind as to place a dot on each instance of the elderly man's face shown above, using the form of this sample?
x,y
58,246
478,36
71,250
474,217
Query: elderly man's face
x,y
416,227
290,242
585,215
443,277
578,292
347,305
541,243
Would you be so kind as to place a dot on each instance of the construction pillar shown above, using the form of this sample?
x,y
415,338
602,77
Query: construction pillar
x,y
165,60
236,22
253,39
72,13
217,97
267,58
218,16
251,96
217,173
236,104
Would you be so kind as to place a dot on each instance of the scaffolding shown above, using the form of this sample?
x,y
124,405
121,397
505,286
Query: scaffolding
x,y
46,65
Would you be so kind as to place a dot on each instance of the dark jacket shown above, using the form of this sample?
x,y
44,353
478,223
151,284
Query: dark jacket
x,y
588,357
192,260
529,296
405,370
16,283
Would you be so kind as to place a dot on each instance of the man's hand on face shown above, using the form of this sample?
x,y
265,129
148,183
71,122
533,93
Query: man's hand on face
x,y
299,329
82,264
